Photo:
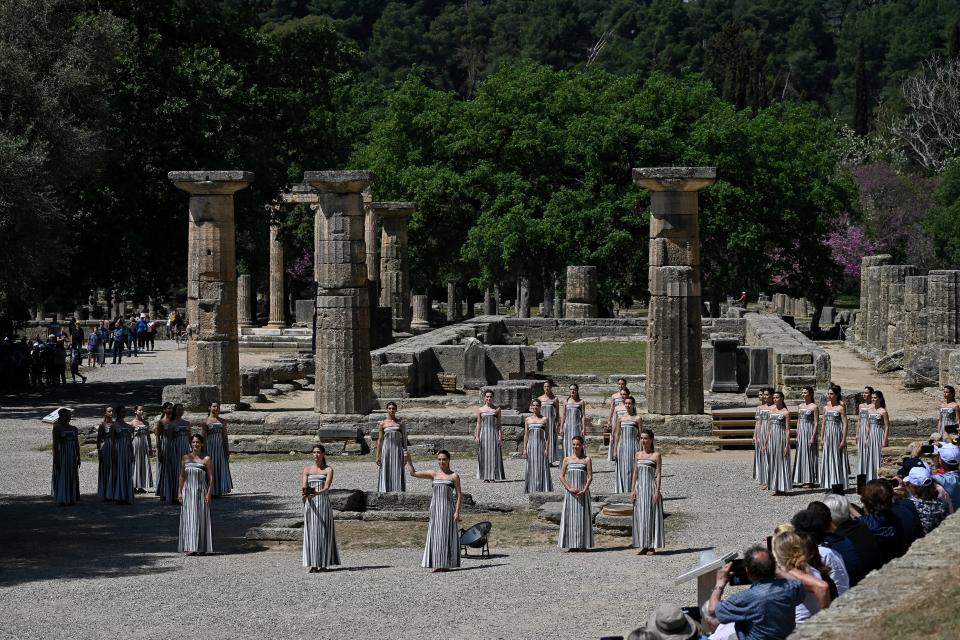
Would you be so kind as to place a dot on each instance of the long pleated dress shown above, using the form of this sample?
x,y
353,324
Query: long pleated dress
x,y
873,443
442,550
834,463
779,469
319,535
391,477
222,480
647,514
627,447
178,445
948,418
66,475
123,450
863,461
576,520
573,412
618,410
163,448
759,457
490,453
805,462
549,411
142,471
106,466
538,465
196,531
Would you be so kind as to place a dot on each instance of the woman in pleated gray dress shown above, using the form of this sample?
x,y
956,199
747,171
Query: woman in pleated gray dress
x,y
65,485
626,432
616,410
218,448
834,463
779,479
550,407
863,427
123,452
142,451
573,420
319,536
442,549
194,490
489,439
948,419
163,433
179,438
878,430
106,459
808,420
576,519
391,443
760,437
645,492
535,450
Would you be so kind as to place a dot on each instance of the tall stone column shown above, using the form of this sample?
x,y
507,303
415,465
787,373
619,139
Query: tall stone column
x,y
943,306
453,302
344,382
421,312
523,300
276,320
674,335
892,281
213,356
394,264
244,300
581,293
557,296
548,296
489,302
870,307
370,239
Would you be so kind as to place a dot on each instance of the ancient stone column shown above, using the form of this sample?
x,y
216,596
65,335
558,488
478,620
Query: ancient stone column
x,y
557,296
914,313
943,306
581,293
394,264
547,297
489,302
523,300
892,291
674,335
244,300
343,376
869,316
453,302
370,240
213,357
421,312
276,320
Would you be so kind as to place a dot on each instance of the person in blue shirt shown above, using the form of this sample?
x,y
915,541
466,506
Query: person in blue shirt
x,y
950,478
765,611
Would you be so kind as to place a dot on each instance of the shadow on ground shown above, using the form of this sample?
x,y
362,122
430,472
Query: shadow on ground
x,y
41,541
87,400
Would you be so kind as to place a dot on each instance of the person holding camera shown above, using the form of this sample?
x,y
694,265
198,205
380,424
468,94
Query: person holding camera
x,y
765,611
923,493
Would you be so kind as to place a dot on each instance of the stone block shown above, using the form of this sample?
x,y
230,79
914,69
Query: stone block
x,y
304,311
194,397
582,285
347,499
758,359
579,310
893,361
474,364
923,367
724,366
828,316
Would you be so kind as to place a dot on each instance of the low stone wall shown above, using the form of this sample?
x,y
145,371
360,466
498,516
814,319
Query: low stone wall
x,y
795,361
914,577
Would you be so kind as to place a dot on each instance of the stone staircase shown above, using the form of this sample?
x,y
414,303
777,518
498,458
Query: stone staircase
x,y
290,338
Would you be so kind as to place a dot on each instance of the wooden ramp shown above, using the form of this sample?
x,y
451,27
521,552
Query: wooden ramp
x,y
733,428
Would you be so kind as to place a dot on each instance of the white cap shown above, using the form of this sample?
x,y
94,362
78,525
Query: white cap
x,y
918,477
949,453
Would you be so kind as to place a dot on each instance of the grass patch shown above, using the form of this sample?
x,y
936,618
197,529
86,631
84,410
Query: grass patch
x,y
846,301
286,457
626,358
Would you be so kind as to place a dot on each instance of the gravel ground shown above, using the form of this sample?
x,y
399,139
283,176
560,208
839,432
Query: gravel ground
x,y
102,571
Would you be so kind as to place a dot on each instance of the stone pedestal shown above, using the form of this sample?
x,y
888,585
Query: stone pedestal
x,y
343,376
213,357
581,292
724,366
674,359
244,301
277,320
421,312
523,300
394,265
758,369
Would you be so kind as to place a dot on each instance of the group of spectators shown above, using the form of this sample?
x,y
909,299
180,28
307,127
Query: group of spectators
x,y
134,334
826,549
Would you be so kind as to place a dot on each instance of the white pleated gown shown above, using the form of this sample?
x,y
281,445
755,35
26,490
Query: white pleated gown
x,y
489,453
538,465
319,534
65,485
647,514
216,449
576,520
442,549
142,471
627,447
196,531
834,463
779,469
573,413
390,476
805,462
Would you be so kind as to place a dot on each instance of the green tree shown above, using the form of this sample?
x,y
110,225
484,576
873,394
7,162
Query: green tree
x,y
944,218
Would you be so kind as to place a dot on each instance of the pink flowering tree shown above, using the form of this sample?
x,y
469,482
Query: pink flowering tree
x,y
300,272
849,245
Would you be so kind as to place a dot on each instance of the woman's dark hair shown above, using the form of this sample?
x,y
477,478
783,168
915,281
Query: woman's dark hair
x,y
550,382
537,402
166,406
575,386
877,496
119,411
783,398
444,452
394,404
653,439
836,391
322,448
210,407
870,388
197,436
138,407
177,407
880,401
927,492
810,389
953,392
623,380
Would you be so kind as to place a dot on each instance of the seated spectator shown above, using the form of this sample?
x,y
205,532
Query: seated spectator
x,y
868,552
790,551
669,622
922,492
838,553
912,460
950,478
878,516
766,610
905,511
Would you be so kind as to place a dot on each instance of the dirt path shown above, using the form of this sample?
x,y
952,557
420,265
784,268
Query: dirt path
x,y
852,372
